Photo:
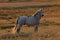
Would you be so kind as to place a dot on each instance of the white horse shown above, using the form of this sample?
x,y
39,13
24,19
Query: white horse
x,y
29,20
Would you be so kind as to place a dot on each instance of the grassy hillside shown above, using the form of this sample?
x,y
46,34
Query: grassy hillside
x,y
48,29
9,16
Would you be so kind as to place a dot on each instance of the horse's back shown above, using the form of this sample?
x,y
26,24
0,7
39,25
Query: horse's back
x,y
21,19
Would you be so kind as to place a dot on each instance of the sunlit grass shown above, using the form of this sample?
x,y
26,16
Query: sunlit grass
x,y
12,13
8,26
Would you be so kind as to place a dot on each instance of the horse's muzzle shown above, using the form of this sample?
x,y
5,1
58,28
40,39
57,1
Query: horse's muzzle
x,y
42,15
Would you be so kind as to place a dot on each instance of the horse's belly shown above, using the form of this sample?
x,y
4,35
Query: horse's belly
x,y
30,22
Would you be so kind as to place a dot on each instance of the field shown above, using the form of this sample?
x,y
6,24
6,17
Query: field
x,y
49,27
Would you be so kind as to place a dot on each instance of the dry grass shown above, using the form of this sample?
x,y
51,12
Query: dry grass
x,y
49,28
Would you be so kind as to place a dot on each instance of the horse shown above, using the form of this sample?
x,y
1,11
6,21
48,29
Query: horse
x,y
29,20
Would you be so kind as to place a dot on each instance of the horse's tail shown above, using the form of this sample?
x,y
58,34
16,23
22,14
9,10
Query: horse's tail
x,y
15,28
16,24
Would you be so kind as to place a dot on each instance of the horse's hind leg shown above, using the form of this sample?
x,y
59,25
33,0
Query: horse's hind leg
x,y
36,28
19,28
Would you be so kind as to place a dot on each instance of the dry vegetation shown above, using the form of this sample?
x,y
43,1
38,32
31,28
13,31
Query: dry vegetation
x,y
49,28
7,1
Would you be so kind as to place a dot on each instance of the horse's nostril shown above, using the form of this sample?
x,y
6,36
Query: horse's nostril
x,y
42,15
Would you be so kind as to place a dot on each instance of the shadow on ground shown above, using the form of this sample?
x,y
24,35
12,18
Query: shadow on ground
x,y
17,35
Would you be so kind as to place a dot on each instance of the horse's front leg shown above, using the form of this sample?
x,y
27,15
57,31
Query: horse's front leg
x,y
36,28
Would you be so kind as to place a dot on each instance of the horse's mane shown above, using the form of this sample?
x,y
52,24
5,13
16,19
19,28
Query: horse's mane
x,y
36,12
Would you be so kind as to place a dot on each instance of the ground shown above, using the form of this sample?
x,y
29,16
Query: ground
x,y
48,29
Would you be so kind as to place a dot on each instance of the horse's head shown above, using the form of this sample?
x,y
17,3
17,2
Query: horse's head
x,y
39,13
42,12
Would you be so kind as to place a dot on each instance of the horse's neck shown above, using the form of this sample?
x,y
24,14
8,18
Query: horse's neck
x,y
38,17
